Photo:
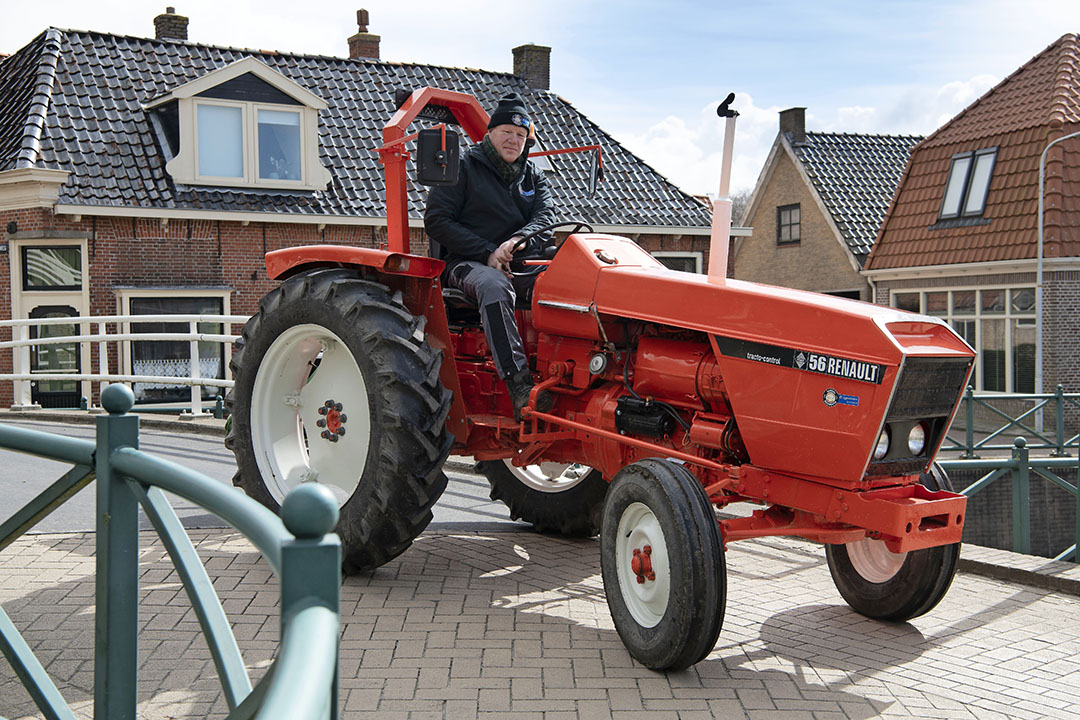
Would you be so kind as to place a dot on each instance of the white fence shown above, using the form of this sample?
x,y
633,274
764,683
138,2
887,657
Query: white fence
x,y
194,371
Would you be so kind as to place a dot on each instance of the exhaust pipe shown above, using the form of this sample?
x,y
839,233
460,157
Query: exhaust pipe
x,y
721,222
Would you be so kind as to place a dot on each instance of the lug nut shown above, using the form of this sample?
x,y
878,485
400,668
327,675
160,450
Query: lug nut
x,y
323,410
341,431
320,422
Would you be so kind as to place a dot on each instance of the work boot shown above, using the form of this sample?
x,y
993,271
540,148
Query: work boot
x,y
520,385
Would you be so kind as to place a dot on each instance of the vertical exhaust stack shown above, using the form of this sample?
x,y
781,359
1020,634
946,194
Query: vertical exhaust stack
x,y
721,222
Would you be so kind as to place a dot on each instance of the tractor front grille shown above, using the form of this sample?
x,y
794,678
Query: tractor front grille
x,y
927,391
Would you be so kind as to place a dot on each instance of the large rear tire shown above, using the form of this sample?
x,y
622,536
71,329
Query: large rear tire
x,y
335,383
663,565
891,586
554,497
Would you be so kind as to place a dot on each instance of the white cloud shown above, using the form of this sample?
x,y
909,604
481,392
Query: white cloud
x,y
689,151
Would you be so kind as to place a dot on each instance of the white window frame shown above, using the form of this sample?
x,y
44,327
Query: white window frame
x,y
695,256
184,167
123,307
978,317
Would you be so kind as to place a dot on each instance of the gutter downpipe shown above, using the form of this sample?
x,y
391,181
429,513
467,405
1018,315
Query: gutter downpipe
x,y
1039,268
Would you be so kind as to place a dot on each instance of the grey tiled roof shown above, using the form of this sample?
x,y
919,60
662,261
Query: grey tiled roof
x,y
856,176
96,128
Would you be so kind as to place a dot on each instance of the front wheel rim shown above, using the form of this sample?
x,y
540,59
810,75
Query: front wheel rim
x,y
310,414
873,560
646,597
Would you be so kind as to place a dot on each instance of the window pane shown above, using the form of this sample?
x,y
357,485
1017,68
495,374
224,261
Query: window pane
x,y
795,234
221,141
992,354
172,357
950,207
907,301
966,330
937,303
55,358
963,302
795,214
1022,300
785,233
992,301
980,180
52,268
1023,358
279,145
683,263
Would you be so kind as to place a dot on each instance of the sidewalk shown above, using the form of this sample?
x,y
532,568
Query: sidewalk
x,y
489,625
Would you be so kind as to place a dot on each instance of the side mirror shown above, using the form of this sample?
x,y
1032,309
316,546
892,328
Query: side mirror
x,y
596,172
436,165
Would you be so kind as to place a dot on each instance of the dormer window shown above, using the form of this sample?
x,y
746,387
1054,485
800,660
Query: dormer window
x,y
968,184
243,125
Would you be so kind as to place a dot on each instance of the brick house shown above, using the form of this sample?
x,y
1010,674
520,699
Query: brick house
x,y
961,239
817,207
151,175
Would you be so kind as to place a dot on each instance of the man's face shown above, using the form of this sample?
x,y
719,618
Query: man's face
x,y
509,140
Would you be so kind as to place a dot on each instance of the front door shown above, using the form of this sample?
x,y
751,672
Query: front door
x,y
54,358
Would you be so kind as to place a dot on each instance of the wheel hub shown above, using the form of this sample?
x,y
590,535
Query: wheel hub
x,y
641,564
333,420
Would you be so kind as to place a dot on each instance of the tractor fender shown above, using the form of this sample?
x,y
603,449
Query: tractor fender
x,y
282,264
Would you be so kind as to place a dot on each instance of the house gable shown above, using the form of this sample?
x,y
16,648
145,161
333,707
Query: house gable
x,y
1019,117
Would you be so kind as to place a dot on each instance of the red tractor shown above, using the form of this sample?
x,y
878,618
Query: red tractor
x,y
675,395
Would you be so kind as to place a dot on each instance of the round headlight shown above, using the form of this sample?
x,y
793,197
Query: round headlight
x,y
882,445
916,439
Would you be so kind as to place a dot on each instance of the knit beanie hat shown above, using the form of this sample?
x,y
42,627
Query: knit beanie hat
x,y
510,111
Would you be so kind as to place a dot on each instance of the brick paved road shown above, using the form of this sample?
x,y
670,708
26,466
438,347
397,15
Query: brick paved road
x,y
485,625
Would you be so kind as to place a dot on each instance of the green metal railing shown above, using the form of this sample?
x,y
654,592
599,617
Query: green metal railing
x,y
1027,422
299,546
1019,469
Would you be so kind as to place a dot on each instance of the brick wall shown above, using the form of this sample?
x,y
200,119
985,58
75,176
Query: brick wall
x,y
818,262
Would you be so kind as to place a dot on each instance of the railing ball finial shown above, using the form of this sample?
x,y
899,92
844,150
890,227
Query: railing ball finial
x,y
117,399
1020,442
309,511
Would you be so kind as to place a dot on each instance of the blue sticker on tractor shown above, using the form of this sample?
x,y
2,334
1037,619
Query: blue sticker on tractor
x,y
852,400
805,360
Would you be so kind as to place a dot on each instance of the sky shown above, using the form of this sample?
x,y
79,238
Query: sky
x,y
652,73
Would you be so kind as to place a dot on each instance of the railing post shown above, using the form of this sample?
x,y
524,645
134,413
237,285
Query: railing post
x,y
103,357
1076,540
969,429
21,358
116,619
196,370
311,563
1021,497
1059,395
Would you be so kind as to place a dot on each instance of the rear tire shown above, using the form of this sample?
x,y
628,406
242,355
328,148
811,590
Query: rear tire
x,y
672,619
891,586
328,353
554,497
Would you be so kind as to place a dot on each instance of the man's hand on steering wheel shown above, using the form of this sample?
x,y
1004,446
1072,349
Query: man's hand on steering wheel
x,y
502,255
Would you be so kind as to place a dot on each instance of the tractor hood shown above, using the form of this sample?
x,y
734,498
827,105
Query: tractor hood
x,y
802,370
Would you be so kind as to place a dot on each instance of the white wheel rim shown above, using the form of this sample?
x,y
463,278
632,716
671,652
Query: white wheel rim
x,y
289,445
647,601
873,560
549,476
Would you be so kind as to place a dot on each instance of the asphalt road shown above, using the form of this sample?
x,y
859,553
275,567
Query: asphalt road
x,y
464,506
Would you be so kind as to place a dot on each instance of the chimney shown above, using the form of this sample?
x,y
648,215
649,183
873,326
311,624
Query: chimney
x,y
363,44
532,63
793,124
170,26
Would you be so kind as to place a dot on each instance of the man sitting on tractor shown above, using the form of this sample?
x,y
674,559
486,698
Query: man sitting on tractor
x,y
499,198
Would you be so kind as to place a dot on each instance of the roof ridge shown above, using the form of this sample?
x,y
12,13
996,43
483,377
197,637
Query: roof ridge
x,y
1066,81
34,125
856,134
1008,78
280,53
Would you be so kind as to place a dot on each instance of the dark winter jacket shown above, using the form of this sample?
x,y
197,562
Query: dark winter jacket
x,y
467,221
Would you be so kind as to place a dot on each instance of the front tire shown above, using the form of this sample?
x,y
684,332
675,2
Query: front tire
x,y
335,383
891,586
663,565
554,497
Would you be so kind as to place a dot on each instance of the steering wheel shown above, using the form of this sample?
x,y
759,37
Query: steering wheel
x,y
526,240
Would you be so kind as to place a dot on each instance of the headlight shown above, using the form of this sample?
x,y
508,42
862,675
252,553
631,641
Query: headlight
x,y
882,445
916,439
